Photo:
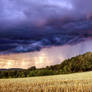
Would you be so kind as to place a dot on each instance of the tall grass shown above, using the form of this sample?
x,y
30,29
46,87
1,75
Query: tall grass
x,y
79,82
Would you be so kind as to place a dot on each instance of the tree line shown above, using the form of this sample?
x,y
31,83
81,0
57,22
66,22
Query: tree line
x,y
79,63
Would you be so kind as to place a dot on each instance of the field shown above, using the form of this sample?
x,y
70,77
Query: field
x,y
78,82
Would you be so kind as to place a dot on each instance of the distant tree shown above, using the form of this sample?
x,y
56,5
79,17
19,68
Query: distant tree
x,y
32,68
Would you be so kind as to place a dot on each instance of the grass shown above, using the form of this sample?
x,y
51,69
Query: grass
x,y
78,82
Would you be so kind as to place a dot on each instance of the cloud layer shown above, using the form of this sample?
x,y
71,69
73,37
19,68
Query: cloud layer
x,y
18,11
27,41
32,10
29,25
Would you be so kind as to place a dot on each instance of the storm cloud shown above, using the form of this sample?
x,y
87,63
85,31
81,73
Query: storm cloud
x,y
33,10
29,25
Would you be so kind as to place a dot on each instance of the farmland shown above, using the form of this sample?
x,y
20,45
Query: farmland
x,y
77,82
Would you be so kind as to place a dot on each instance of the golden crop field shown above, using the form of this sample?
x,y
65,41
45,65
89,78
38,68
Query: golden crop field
x,y
78,82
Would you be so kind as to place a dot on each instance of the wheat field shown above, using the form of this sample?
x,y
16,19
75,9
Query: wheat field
x,y
78,82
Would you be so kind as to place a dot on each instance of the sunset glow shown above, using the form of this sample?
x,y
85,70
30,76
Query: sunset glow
x,y
45,57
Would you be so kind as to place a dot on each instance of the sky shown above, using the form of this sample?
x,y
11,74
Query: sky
x,y
18,11
27,26
45,57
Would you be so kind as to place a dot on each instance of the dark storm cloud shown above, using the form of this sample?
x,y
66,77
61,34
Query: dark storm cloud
x,y
20,10
17,17
71,33
33,10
